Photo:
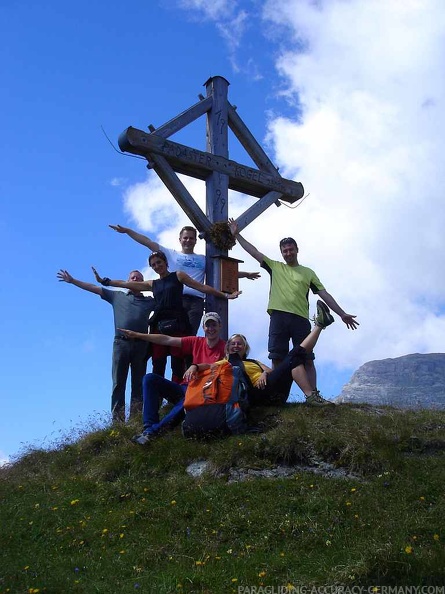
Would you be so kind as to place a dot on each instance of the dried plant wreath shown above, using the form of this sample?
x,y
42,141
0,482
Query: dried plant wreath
x,y
221,236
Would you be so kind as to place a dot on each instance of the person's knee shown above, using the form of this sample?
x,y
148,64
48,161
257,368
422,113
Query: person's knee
x,y
150,380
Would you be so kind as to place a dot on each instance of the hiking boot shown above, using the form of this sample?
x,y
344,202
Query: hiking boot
x,y
323,317
316,399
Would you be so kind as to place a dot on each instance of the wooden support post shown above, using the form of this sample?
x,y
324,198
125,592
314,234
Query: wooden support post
x,y
217,186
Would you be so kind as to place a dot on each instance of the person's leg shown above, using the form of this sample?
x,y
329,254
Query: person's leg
x,y
170,420
138,363
300,328
194,307
178,368
119,374
178,364
321,320
279,335
154,388
295,365
159,359
302,373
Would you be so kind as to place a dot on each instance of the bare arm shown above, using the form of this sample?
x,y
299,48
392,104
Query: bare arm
x,y
249,275
348,319
65,277
142,239
132,285
172,341
190,282
250,249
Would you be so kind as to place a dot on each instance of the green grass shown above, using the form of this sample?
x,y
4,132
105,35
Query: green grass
x,y
102,515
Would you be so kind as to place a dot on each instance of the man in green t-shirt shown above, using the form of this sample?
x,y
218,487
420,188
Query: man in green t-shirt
x,y
288,305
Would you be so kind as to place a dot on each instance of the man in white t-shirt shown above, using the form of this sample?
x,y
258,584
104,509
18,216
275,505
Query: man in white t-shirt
x,y
186,260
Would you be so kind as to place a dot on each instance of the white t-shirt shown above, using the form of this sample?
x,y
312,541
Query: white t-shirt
x,y
192,264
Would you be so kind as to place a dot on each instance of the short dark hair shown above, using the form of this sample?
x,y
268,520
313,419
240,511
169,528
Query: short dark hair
x,y
287,240
159,254
188,228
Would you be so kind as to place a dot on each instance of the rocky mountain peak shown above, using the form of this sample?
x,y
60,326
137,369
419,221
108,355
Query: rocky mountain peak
x,y
411,381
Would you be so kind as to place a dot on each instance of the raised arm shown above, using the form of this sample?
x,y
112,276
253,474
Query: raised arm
x,y
172,341
250,249
348,319
190,282
132,285
142,239
65,277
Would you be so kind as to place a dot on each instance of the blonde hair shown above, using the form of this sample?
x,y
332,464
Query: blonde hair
x,y
243,340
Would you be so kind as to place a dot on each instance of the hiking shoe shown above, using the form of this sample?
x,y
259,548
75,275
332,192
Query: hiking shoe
x,y
316,399
323,317
143,438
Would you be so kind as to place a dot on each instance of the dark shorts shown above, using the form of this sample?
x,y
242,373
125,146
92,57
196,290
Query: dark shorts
x,y
194,306
285,327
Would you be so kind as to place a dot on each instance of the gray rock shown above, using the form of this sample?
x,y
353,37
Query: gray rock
x,y
413,381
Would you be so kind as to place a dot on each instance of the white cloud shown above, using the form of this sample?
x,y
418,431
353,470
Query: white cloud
x,y
232,21
366,140
4,459
117,182
367,143
211,10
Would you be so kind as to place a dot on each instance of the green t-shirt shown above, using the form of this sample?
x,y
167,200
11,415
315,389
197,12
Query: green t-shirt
x,y
289,287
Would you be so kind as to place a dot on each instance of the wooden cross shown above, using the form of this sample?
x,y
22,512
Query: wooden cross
x,y
168,158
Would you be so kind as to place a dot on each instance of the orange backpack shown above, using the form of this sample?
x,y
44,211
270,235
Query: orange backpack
x,y
222,383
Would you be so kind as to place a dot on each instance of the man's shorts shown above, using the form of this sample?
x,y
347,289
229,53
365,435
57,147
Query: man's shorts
x,y
283,327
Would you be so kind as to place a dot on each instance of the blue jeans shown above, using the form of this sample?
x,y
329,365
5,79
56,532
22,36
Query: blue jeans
x,y
127,354
154,389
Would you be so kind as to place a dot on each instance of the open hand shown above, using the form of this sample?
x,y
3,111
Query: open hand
x,y
64,276
261,381
348,319
190,373
129,333
234,295
118,228
233,226
96,274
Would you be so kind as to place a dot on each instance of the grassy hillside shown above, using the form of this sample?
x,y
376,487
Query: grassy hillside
x,y
362,505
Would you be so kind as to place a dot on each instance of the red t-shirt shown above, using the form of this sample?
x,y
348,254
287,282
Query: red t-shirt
x,y
201,352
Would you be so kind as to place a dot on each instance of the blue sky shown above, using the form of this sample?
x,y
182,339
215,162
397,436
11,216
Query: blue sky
x,y
357,117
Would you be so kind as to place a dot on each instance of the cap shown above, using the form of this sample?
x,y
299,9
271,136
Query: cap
x,y
211,315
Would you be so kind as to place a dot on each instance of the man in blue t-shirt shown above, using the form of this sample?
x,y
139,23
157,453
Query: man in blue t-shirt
x,y
187,261
131,310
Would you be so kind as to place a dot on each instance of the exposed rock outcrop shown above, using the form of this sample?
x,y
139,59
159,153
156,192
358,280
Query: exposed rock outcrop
x,y
413,381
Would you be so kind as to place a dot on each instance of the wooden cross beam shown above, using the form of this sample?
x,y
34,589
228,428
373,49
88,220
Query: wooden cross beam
x,y
169,158
199,164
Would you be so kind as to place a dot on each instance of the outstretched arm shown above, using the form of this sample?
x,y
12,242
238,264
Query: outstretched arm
x,y
142,239
348,319
132,285
190,282
172,341
250,249
249,275
65,277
